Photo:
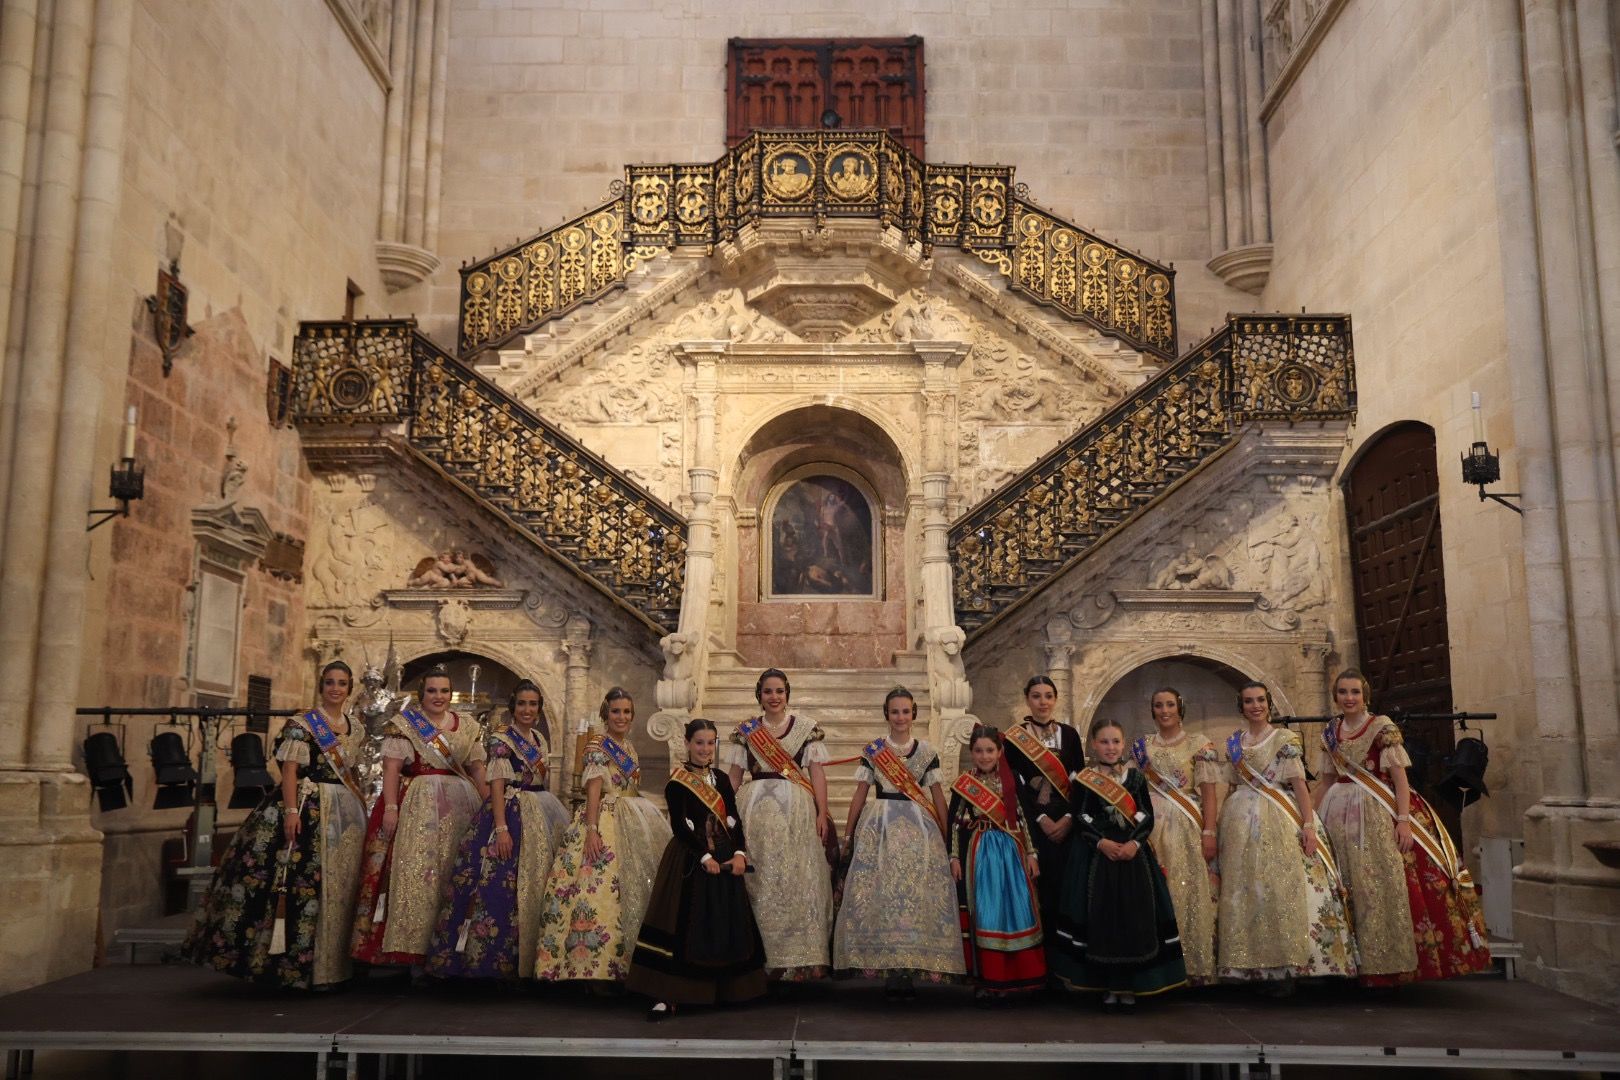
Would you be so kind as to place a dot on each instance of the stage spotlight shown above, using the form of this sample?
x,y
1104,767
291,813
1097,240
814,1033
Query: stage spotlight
x,y
109,775
250,779
176,779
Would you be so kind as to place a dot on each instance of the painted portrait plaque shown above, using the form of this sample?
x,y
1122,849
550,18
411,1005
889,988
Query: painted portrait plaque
x,y
821,540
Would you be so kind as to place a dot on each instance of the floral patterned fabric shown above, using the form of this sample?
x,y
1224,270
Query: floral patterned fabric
x,y
235,924
1178,842
1412,922
591,911
899,911
490,925
1280,915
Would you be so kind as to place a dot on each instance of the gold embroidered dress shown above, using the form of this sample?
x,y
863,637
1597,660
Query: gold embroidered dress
x,y
404,874
1280,915
899,912
1177,840
791,888
1412,921
591,911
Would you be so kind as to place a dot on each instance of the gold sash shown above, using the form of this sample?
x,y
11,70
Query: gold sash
x,y
1110,790
1041,756
706,793
331,747
435,744
1266,788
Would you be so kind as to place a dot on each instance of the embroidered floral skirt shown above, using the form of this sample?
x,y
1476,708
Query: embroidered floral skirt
x,y
490,925
591,911
898,915
236,922
791,888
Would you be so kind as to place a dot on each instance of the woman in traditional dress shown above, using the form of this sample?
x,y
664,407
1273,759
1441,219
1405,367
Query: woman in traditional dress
x,y
1281,913
1414,907
489,925
1043,754
698,944
994,863
433,782
1182,771
784,809
1116,926
278,908
898,921
602,876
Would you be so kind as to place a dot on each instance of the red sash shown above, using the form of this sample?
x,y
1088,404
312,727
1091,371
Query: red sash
x,y
987,802
1110,790
887,764
1041,756
771,751
706,793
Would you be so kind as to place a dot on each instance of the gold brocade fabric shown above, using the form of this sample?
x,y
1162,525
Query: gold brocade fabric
x,y
544,820
1179,845
899,911
1363,836
1279,915
342,838
590,913
791,888
433,816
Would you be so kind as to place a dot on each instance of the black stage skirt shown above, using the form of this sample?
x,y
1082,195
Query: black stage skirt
x,y
698,943
1116,925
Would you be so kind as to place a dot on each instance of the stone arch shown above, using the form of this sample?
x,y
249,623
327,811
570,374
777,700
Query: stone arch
x,y
1242,666
892,441
495,683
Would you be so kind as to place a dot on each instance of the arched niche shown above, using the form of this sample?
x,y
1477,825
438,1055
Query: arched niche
x,y
1208,682
825,629
821,537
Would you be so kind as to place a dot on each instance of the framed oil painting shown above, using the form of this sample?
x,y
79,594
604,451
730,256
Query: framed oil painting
x,y
821,537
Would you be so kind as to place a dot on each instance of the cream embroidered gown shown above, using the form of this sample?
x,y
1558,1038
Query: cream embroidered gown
x,y
1279,914
899,912
791,888
591,912
1178,843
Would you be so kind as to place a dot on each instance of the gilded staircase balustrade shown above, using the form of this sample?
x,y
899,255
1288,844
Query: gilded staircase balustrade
x,y
819,175
567,500
1290,368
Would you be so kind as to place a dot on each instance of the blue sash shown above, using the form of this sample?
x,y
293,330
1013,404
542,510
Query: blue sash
x,y
1234,746
627,764
432,738
526,750
326,740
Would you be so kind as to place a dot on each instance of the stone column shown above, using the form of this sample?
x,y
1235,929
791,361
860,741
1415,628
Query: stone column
x,y
1060,650
19,23
576,647
1239,195
1214,161
1259,189
413,142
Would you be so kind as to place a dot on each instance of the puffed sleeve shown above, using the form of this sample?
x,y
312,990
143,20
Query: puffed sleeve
x,y
398,746
293,745
1208,766
1290,759
815,749
733,754
500,762
476,754
1391,746
931,773
864,774
596,765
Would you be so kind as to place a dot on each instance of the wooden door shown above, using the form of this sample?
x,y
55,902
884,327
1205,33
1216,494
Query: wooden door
x,y
831,84
1392,500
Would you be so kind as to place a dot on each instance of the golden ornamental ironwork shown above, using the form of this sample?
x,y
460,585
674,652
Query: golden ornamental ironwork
x,y
1273,367
819,174
582,510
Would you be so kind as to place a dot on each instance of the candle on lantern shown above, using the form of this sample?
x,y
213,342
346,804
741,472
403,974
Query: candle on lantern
x,y
129,434
1479,420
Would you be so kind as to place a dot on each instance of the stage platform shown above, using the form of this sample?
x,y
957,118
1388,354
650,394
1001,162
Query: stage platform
x,y
1468,1024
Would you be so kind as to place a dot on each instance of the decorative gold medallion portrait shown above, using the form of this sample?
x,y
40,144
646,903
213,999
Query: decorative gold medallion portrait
x,y
788,174
851,175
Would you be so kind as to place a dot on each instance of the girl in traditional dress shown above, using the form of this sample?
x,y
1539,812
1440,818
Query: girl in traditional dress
x,y
1281,913
278,908
994,863
1415,910
1116,922
1182,771
602,876
784,808
489,925
898,920
1043,754
433,782
698,944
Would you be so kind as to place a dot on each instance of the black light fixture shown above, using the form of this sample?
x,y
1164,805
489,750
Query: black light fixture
x,y
176,778
1481,467
128,481
109,774
250,778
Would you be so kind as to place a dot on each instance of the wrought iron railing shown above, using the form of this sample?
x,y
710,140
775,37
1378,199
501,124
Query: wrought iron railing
x,y
564,498
1257,367
819,175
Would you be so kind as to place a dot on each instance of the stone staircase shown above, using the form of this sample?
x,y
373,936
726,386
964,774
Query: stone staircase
x,y
847,703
